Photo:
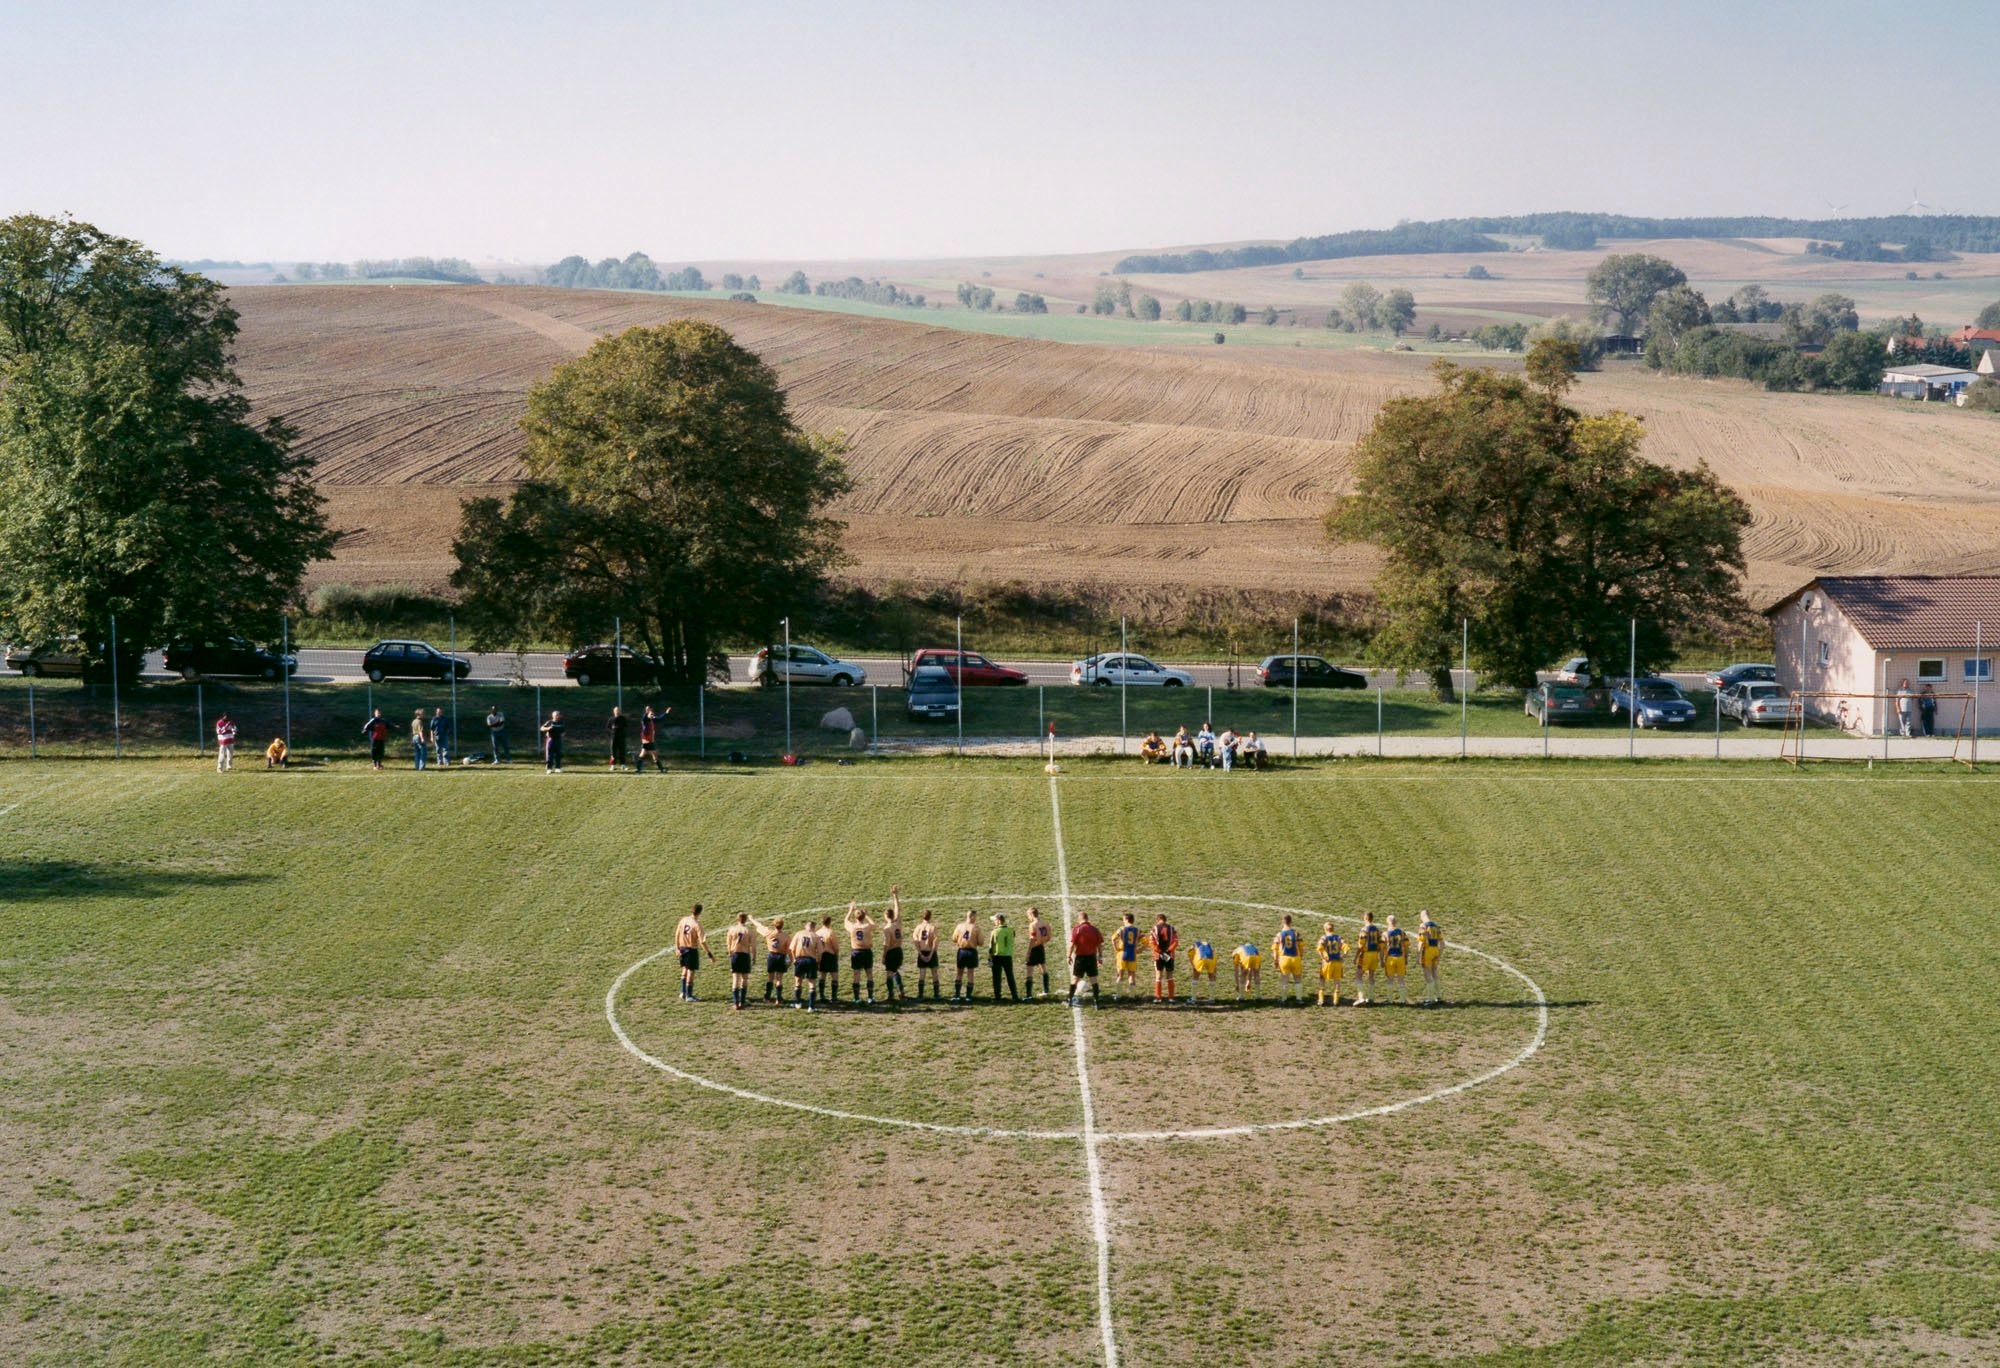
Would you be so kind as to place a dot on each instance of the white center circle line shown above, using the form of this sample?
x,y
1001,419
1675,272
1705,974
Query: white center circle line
x,y
1196,1133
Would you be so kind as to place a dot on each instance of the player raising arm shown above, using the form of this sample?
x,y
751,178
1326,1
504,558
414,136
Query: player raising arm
x,y
861,951
892,946
690,940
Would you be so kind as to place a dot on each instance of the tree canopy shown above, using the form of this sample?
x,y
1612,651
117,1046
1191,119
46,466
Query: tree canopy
x,y
1623,287
1989,317
1496,503
134,480
667,486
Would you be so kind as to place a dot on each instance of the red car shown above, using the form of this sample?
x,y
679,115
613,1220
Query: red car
x,y
970,669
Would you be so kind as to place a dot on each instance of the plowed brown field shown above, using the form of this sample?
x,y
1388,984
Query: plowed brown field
x,y
993,458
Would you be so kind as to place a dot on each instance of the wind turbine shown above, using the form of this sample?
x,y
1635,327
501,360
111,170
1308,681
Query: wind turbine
x,y
1915,203
1837,209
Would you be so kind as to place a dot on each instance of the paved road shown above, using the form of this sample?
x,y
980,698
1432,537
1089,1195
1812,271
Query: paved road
x,y
344,666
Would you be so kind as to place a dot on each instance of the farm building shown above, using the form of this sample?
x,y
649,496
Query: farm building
x,y
1978,339
1866,634
1926,382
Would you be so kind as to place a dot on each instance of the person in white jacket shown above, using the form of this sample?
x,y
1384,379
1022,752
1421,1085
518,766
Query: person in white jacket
x,y
225,744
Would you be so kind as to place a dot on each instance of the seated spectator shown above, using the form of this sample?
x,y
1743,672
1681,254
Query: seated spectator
x,y
1183,749
1152,750
1204,744
1254,753
1226,747
276,755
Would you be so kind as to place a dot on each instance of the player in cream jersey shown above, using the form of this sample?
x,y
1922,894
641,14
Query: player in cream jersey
x,y
690,940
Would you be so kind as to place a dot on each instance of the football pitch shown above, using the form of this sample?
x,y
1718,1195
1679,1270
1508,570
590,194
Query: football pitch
x,y
339,1066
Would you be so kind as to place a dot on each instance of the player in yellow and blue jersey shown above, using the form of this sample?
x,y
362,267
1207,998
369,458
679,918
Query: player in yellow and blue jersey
x,y
1332,962
1201,965
1430,949
1249,963
1125,943
1288,948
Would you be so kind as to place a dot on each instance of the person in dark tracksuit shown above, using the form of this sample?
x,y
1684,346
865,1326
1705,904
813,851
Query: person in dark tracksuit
x,y
617,729
552,742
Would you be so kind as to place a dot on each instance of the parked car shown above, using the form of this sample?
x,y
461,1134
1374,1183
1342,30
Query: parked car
x,y
933,693
1551,703
608,663
1116,667
411,660
1757,701
1575,670
969,668
803,665
1729,677
62,659
1661,703
1313,672
227,657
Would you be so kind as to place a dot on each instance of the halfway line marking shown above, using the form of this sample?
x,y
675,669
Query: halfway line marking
x,y
1100,1220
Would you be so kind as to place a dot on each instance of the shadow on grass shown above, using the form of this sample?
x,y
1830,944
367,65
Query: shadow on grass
x,y
22,879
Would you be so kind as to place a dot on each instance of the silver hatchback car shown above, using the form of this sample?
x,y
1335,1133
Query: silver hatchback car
x,y
803,665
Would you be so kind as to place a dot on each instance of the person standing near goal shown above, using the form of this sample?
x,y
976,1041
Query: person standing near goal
x,y
738,940
925,936
965,977
690,940
1288,948
1332,962
1085,941
225,745
1430,949
1166,954
860,952
1040,933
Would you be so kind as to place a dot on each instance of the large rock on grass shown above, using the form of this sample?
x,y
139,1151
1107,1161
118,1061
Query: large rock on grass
x,y
839,720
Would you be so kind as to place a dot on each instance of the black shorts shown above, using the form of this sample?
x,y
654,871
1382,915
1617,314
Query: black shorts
x,y
807,968
968,958
739,961
774,964
892,960
1084,967
690,959
829,962
1038,954
860,960
1164,963
927,959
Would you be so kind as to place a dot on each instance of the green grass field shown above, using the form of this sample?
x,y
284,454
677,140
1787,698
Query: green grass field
x,y
315,1067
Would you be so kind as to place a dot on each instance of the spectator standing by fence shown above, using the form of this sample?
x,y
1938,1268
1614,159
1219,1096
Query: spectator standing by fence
x,y
1904,701
225,744
418,738
552,743
1927,709
496,735
376,729
441,737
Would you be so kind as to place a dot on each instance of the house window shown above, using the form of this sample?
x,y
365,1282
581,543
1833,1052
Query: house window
x,y
1931,671
1825,653
1978,669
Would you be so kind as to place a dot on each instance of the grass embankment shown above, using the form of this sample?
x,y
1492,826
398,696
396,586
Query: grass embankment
x,y
301,1070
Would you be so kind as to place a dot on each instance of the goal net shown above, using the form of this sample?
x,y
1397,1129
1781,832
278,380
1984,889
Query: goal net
x,y
1836,716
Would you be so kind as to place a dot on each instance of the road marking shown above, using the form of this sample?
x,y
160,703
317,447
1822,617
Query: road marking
x,y
1100,1219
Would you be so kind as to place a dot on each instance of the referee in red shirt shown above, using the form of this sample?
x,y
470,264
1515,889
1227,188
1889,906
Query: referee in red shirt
x,y
1084,943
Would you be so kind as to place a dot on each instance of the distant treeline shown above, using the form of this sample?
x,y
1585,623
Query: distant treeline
x,y
210,264
1931,236
453,269
868,292
635,272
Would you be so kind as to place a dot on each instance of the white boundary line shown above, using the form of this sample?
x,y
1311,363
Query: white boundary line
x,y
1103,1137
1100,1216
10,807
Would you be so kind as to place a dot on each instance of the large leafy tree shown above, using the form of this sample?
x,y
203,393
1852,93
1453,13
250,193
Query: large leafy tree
x,y
1497,504
133,478
1623,286
667,486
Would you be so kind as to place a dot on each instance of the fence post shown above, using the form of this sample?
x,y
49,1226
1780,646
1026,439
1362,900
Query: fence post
x,y
31,718
1378,721
201,725
284,650
1715,701
1295,688
1465,680
1632,698
1041,709
618,658
538,710
701,717
1124,671
875,713
451,620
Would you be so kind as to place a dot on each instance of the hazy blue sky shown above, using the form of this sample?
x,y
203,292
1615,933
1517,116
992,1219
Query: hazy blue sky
x,y
748,129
